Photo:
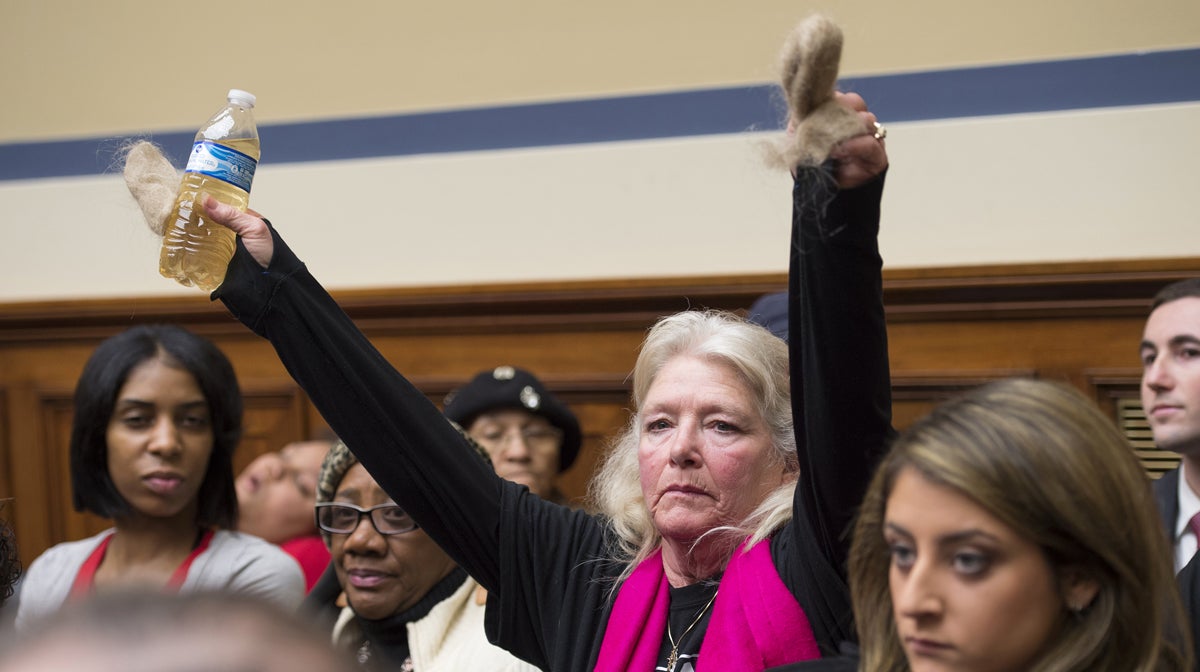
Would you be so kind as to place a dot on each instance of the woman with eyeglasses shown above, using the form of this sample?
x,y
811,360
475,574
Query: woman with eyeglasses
x,y
531,436
407,605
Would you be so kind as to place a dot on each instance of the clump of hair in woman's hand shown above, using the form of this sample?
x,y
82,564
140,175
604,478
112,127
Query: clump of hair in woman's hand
x,y
153,182
809,64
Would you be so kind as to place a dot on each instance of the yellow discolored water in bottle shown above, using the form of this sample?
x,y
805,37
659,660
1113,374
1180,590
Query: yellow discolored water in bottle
x,y
196,251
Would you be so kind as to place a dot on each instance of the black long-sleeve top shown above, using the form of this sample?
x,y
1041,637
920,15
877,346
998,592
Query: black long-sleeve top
x,y
549,569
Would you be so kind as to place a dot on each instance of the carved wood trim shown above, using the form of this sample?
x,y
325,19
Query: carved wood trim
x,y
6,458
1101,289
939,385
951,329
62,521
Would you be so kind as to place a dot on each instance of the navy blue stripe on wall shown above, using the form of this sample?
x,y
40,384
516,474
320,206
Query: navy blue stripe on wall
x,y
1108,81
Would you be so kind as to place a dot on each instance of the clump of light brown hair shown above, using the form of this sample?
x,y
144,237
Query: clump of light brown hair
x,y
808,74
152,181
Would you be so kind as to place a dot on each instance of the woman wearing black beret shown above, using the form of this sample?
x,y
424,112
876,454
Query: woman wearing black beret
x,y
530,435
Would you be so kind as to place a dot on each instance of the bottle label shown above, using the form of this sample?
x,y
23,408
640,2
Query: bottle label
x,y
223,163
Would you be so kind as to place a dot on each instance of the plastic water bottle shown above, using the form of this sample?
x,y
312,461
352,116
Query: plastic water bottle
x,y
196,251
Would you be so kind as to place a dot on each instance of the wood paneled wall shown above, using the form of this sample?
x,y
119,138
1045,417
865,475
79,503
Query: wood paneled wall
x,y
950,329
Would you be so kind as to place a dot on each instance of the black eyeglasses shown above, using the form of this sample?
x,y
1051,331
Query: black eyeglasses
x,y
387,519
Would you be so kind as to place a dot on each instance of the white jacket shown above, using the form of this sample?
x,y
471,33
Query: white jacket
x,y
450,638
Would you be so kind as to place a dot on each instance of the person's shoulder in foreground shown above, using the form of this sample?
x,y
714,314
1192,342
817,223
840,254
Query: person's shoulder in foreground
x,y
160,632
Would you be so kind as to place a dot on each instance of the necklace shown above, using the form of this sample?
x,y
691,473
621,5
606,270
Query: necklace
x,y
364,655
674,657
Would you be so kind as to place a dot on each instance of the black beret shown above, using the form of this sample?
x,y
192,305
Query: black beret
x,y
510,387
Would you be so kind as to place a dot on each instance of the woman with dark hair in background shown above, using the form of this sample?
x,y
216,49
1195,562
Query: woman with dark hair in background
x,y
158,414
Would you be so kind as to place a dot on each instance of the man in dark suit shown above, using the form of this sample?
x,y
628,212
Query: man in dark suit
x,y
1170,353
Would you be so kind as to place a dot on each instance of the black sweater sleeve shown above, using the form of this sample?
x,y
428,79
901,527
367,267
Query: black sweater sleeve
x,y
541,562
400,436
841,388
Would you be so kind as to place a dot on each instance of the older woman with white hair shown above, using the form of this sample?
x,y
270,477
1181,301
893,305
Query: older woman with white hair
x,y
720,541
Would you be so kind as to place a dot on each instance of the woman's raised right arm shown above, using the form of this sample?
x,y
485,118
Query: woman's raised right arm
x,y
400,436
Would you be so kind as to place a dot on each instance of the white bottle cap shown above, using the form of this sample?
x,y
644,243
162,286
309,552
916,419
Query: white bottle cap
x,y
243,98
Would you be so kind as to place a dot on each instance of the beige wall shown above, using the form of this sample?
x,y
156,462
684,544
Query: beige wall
x,y
1111,183
82,68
